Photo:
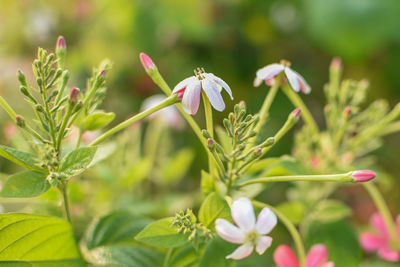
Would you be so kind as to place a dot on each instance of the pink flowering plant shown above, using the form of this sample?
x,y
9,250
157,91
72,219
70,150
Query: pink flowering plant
x,y
224,221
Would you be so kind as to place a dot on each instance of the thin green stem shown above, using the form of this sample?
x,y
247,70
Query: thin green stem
x,y
292,230
264,112
298,102
64,192
49,115
210,129
7,108
342,178
63,126
78,142
167,102
383,209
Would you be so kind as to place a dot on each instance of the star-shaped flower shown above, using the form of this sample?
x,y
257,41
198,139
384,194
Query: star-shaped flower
x,y
249,232
316,257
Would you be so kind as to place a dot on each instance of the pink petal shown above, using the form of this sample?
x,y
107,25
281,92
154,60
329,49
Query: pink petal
x,y
191,97
305,88
389,255
372,242
263,243
229,232
184,83
285,257
270,71
270,82
266,221
241,252
317,256
257,81
243,214
293,79
213,94
329,264
379,224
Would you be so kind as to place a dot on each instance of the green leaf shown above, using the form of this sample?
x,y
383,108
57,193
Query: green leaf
x,y
24,159
31,240
207,183
162,233
77,161
340,239
330,211
293,210
25,184
178,166
119,226
212,208
215,253
97,120
185,256
125,256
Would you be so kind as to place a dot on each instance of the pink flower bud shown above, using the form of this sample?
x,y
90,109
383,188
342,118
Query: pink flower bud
x,y
147,63
297,112
363,175
20,120
103,73
73,94
336,63
61,44
347,111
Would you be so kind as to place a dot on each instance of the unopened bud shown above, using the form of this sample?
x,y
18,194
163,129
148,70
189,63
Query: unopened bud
x,y
363,175
336,63
21,78
210,143
73,95
257,151
242,104
206,134
24,90
269,142
296,112
20,121
39,81
147,62
103,73
39,108
347,111
61,44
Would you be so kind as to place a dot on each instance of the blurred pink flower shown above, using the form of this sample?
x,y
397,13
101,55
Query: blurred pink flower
x,y
316,257
249,232
10,129
379,240
269,72
169,115
190,90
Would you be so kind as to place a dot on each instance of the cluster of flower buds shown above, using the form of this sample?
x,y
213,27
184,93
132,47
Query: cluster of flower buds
x,y
186,222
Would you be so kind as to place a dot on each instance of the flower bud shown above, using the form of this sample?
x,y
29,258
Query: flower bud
x,y
336,64
206,134
269,142
363,175
147,62
210,143
296,112
61,44
73,95
21,78
347,111
20,121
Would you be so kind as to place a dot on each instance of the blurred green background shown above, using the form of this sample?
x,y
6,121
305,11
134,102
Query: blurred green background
x,y
230,38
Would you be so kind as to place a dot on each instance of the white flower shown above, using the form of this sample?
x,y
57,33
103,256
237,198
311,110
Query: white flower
x,y
190,90
269,72
250,233
169,115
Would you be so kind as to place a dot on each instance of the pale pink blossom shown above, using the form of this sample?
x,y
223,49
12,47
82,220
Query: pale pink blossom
x,y
316,257
269,72
379,239
249,232
169,115
190,91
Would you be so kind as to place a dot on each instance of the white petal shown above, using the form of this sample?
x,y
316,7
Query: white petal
x,y
266,221
292,78
222,83
305,88
213,94
257,82
241,252
263,243
243,214
270,71
184,83
229,232
191,97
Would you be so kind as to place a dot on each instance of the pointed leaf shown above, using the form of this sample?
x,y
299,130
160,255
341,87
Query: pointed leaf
x,y
212,208
77,161
25,184
24,159
97,120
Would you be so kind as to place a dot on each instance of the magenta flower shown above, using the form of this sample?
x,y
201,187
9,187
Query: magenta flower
x,y
379,240
317,257
190,90
250,233
269,72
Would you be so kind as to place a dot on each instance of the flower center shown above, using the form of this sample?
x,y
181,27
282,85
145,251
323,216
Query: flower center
x,y
199,73
252,237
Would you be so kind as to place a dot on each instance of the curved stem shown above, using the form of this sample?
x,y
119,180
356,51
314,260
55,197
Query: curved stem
x,y
167,102
7,108
291,228
298,102
383,209
343,178
64,192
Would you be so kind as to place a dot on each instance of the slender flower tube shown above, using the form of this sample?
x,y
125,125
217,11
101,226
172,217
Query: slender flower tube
x,y
379,240
269,72
249,232
317,257
189,90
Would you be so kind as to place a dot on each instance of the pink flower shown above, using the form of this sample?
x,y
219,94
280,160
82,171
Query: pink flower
x,y
147,62
379,240
190,90
249,232
269,72
317,257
